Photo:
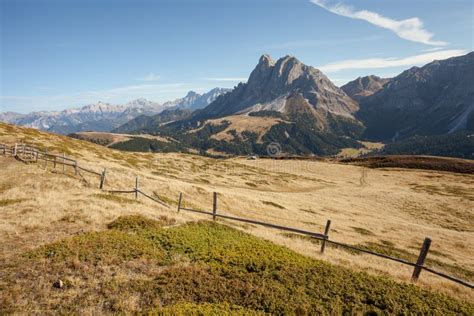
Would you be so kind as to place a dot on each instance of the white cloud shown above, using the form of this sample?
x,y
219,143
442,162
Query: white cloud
x,y
237,79
374,63
410,29
150,77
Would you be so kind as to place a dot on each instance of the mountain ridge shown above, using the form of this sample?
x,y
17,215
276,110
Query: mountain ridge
x,y
437,98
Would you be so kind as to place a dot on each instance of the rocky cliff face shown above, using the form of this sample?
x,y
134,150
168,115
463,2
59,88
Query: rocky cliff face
x,y
437,98
271,83
364,86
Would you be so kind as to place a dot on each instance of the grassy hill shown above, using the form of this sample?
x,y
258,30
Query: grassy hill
x,y
136,265
391,210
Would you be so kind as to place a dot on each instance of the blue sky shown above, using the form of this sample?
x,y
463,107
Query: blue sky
x,y
62,54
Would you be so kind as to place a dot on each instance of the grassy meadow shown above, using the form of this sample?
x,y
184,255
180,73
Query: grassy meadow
x,y
50,221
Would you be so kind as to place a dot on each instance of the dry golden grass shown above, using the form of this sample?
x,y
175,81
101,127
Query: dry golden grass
x,y
356,152
109,139
242,123
391,208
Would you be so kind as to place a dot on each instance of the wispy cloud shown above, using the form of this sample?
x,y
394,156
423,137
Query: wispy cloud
x,y
222,79
410,29
432,49
374,63
321,43
150,77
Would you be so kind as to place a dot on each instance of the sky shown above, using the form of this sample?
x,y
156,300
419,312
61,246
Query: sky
x,y
58,54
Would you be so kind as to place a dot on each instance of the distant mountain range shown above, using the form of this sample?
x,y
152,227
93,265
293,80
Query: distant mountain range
x,y
298,107
105,117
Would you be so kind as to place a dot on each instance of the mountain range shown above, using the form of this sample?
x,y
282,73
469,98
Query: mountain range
x,y
105,117
298,107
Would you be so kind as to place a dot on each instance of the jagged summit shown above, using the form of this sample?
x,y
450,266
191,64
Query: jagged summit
x,y
191,93
266,59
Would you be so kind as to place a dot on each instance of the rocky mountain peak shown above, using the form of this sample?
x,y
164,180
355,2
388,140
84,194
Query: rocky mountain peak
x,y
270,84
192,94
266,60
364,86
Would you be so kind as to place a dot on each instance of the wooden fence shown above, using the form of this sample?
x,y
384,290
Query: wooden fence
x,y
28,153
25,153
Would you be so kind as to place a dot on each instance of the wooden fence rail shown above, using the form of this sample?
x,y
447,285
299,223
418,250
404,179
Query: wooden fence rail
x,y
17,150
26,153
324,238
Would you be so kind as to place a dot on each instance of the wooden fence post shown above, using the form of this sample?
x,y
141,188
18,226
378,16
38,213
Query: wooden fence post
x,y
75,167
136,188
64,162
46,159
326,232
54,165
421,259
102,179
214,206
179,201
14,150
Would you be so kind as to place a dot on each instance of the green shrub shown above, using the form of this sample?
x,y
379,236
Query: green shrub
x,y
138,223
108,247
214,269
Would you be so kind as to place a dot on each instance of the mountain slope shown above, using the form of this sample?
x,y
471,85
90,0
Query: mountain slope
x,y
437,98
458,144
144,124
